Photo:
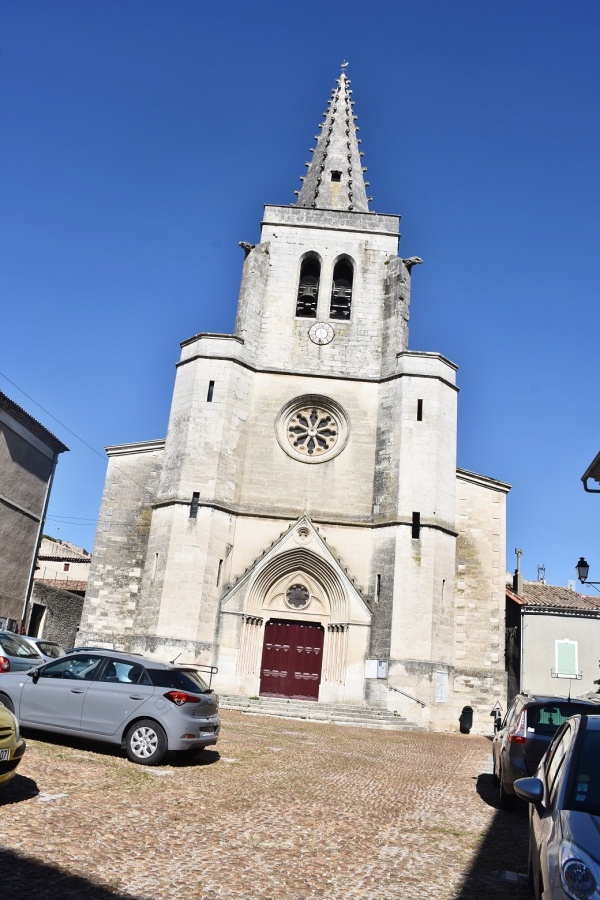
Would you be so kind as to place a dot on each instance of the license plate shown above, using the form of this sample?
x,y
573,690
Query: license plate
x,y
4,755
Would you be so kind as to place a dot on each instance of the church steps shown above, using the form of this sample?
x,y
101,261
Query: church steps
x,y
356,716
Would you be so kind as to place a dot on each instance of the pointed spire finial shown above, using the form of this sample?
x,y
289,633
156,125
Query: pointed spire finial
x,y
334,179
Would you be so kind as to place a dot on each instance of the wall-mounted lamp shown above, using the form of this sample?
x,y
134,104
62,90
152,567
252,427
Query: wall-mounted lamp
x,y
582,568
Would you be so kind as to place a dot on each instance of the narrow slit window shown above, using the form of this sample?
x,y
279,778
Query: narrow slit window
x,y
211,390
416,525
378,589
308,287
419,410
341,293
336,176
194,505
219,570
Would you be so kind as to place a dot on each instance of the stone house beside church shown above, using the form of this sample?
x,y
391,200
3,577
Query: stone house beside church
x,y
304,525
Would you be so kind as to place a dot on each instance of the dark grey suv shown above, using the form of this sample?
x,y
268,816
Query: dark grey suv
x,y
147,707
523,736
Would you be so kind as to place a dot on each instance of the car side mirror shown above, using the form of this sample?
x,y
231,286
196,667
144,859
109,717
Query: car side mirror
x,y
529,789
34,675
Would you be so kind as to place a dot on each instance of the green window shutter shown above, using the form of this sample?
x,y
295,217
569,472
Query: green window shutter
x,y
566,657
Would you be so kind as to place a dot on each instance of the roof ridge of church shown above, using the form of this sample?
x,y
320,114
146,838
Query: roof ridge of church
x,y
335,179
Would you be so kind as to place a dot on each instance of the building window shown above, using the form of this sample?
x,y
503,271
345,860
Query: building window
x,y
219,571
419,410
336,176
66,567
312,428
416,525
308,287
566,659
341,293
211,390
194,505
297,596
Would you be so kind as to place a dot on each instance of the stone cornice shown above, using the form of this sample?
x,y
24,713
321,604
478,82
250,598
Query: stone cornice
x,y
326,376
233,510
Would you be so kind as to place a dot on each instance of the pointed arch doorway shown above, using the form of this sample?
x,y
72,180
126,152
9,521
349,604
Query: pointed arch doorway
x,y
292,659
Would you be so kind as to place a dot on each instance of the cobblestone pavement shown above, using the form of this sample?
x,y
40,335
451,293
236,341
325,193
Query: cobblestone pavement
x,y
280,810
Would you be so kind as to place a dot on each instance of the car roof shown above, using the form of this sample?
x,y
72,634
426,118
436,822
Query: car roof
x,y
556,698
128,657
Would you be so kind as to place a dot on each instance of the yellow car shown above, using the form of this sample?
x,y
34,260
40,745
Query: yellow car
x,y
12,745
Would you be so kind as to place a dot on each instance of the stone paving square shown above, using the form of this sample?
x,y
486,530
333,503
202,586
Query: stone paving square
x,y
280,810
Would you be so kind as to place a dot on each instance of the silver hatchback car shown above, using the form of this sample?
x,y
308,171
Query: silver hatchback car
x,y
148,708
564,814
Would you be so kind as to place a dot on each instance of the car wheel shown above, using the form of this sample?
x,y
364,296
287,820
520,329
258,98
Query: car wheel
x,y
146,743
507,801
7,702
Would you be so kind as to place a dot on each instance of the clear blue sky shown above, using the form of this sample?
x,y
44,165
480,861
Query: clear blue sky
x,y
140,140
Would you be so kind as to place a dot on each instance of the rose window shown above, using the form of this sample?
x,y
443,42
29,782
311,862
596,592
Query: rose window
x,y
312,431
297,596
312,428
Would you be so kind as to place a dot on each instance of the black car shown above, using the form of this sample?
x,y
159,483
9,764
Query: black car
x,y
523,736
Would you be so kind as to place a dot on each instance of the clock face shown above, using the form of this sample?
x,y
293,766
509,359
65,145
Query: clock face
x,y
321,333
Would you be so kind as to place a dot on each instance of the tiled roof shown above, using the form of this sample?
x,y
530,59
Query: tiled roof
x,y
549,596
74,587
35,427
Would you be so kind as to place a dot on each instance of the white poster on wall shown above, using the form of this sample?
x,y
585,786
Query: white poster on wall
x,y
370,668
441,687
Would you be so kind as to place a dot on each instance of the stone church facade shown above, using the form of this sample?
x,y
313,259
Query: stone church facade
x,y
304,526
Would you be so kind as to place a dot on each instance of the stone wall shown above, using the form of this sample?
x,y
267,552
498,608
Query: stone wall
x,y
119,554
480,677
63,614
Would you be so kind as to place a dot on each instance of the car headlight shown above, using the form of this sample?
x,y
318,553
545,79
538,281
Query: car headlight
x,y
578,871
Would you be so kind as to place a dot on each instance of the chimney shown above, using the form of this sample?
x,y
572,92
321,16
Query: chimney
x,y
517,577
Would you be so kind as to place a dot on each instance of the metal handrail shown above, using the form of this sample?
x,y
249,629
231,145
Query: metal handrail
x,y
404,694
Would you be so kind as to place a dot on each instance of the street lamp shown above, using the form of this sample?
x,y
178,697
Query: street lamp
x,y
582,568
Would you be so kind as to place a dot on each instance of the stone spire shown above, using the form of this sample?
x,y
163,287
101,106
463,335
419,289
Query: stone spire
x,y
335,176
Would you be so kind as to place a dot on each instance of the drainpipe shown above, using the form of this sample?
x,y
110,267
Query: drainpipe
x,y
522,650
38,541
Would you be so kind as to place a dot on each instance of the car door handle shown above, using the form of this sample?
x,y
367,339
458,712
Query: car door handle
x,y
136,697
77,691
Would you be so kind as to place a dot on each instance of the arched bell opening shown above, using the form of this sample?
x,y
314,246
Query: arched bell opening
x,y
308,287
341,292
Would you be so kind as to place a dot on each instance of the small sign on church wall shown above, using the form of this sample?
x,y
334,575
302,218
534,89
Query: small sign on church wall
x,y
376,668
441,686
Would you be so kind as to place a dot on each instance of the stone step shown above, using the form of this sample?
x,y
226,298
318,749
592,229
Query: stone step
x,y
357,716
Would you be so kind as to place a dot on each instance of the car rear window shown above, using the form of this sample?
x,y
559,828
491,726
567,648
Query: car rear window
x,y
14,646
181,679
53,650
546,719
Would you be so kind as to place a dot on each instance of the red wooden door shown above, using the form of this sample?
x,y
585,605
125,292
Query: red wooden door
x,y
292,659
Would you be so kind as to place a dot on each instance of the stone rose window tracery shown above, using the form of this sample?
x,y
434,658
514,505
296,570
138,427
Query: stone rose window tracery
x,y
313,431
297,596
312,428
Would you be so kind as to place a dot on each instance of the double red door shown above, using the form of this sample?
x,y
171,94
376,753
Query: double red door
x,y
291,660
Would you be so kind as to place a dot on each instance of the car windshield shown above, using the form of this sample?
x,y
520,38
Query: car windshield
x,y
182,679
547,718
584,789
14,646
50,649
